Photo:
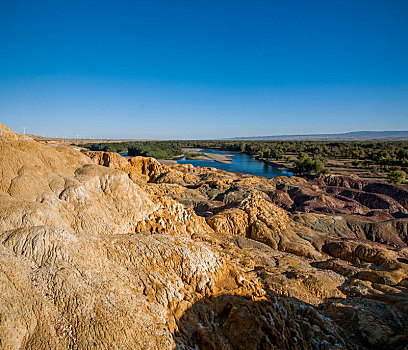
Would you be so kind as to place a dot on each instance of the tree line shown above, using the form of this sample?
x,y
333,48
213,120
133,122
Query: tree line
x,y
155,149
389,156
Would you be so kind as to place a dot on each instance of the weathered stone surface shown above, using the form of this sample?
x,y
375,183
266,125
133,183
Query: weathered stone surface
x,y
139,169
231,221
303,287
232,322
262,221
100,251
171,217
387,268
94,199
48,186
116,291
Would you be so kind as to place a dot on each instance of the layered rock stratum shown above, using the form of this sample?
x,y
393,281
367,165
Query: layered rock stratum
x,y
102,252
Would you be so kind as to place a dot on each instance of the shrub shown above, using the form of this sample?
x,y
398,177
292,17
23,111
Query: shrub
x,y
307,166
373,168
397,176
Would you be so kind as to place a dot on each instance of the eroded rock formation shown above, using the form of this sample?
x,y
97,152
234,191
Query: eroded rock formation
x,y
99,251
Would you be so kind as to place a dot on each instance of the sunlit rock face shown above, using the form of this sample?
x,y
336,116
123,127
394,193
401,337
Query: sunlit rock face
x,y
99,251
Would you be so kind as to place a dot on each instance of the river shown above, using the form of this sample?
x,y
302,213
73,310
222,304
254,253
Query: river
x,y
241,163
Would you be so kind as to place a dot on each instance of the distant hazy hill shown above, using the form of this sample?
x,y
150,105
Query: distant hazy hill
x,y
348,136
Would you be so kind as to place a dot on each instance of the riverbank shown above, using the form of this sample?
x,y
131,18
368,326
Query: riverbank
x,y
279,166
210,157
167,161
238,162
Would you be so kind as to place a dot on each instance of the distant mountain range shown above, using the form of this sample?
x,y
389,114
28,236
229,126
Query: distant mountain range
x,y
348,136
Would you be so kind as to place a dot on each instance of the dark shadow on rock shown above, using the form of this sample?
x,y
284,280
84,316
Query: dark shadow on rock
x,y
229,322
237,322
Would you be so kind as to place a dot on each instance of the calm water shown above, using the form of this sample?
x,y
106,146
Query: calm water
x,y
241,163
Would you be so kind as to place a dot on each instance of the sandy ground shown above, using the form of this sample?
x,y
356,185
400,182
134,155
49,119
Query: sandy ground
x,y
221,158
191,150
167,161
218,158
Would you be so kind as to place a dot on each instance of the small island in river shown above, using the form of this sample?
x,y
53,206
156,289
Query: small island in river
x,y
198,154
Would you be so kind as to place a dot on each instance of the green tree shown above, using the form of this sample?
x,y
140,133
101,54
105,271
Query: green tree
x,y
397,176
402,154
267,153
374,168
307,166
302,156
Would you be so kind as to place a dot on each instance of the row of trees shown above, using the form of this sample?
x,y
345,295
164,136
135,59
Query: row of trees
x,y
109,146
155,149
379,154
397,150
159,150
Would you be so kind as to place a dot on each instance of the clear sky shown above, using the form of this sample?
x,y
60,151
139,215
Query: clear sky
x,y
203,69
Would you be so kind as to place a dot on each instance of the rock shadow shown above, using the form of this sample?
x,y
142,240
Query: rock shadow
x,y
228,322
236,322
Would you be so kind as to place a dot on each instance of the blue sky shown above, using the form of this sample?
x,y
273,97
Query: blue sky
x,y
203,69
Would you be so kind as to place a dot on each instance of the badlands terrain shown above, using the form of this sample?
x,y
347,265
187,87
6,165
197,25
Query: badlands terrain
x,y
102,252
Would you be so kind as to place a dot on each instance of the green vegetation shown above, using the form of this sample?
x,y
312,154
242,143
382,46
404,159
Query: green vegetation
x,y
159,150
307,166
194,155
376,157
374,168
109,146
397,176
